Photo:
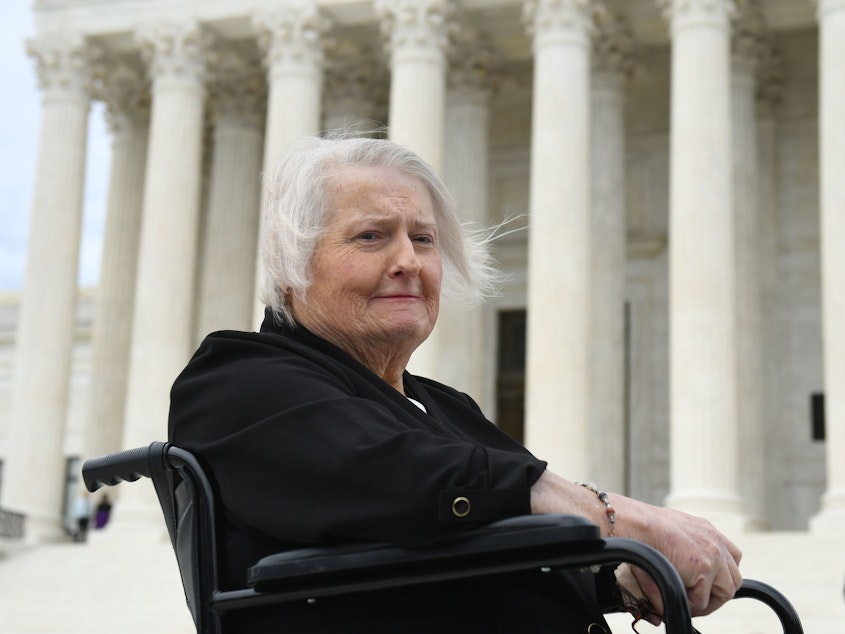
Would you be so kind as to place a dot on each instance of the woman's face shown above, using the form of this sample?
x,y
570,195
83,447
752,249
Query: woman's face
x,y
376,270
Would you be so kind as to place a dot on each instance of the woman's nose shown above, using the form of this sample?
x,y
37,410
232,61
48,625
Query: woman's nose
x,y
405,258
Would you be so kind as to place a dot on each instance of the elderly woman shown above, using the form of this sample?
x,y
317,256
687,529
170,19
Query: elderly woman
x,y
315,432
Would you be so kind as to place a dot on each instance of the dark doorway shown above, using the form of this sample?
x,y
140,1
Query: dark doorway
x,y
510,374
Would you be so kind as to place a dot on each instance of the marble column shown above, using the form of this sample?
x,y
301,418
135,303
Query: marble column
x,y
702,302
557,364
163,316
612,65
127,100
229,245
831,17
747,44
292,40
35,470
417,42
416,30
464,333
769,88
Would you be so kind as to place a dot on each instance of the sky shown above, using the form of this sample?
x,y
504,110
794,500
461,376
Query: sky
x,y
20,120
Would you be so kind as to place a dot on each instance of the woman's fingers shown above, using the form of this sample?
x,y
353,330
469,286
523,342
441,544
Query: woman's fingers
x,y
649,588
706,560
706,598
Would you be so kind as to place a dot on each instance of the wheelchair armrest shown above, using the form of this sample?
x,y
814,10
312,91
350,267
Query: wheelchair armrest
x,y
496,544
516,544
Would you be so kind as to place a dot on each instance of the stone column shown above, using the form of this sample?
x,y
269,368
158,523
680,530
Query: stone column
x,y
291,38
831,16
34,477
557,364
417,42
612,64
127,100
702,303
229,248
769,88
747,46
355,86
463,333
163,317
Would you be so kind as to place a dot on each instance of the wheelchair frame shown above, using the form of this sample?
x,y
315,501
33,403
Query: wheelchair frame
x,y
528,542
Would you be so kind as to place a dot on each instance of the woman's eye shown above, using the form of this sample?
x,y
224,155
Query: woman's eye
x,y
367,236
424,239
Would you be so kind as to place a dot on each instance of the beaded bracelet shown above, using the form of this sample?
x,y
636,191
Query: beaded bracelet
x,y
602,496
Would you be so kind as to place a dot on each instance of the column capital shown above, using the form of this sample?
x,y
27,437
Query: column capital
x,y
748,36
65,63
613,45
126,93
355,74
417,24
292,34
174,50
473,62
553,19
237,89
698,10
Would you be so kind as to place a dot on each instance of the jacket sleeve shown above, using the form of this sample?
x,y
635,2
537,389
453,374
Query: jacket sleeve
x,y
300,455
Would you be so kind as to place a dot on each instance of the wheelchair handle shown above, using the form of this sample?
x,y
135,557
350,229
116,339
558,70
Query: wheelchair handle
x,y
776,600
123,466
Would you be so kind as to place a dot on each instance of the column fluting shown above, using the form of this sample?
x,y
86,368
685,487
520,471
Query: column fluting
x,y
416,32
229,245
747,47
831,16
612,65
162,328
702,303
558,338
47,318
463,333
126,95
291,38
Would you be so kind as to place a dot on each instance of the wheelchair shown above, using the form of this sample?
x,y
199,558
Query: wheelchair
x,y
515,544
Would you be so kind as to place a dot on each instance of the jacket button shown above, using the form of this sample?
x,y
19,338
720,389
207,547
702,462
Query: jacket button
x,y
461,506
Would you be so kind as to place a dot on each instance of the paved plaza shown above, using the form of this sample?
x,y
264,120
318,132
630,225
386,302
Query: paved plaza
x,y
114,584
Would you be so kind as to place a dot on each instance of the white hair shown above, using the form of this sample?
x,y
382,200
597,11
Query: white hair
x,y
294,218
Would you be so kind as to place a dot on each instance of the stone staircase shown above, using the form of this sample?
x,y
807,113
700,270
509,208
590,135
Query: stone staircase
x,y
130,584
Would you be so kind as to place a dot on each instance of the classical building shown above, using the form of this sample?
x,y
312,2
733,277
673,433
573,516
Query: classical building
x,y
672,323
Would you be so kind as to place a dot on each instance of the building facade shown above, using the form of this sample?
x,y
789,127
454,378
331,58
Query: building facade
x,y
672,170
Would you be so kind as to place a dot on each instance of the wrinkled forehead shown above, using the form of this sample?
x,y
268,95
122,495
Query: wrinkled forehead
x,y
354,186
338,174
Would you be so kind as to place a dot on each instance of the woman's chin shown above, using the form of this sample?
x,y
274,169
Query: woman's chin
x,y
409,329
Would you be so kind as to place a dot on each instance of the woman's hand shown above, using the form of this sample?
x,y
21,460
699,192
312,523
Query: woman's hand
x,y
707,561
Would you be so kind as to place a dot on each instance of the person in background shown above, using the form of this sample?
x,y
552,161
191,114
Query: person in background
x,y
315,432
102,512
82,515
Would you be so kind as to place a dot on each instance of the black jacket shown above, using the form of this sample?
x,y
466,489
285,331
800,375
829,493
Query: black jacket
x,y
306,445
